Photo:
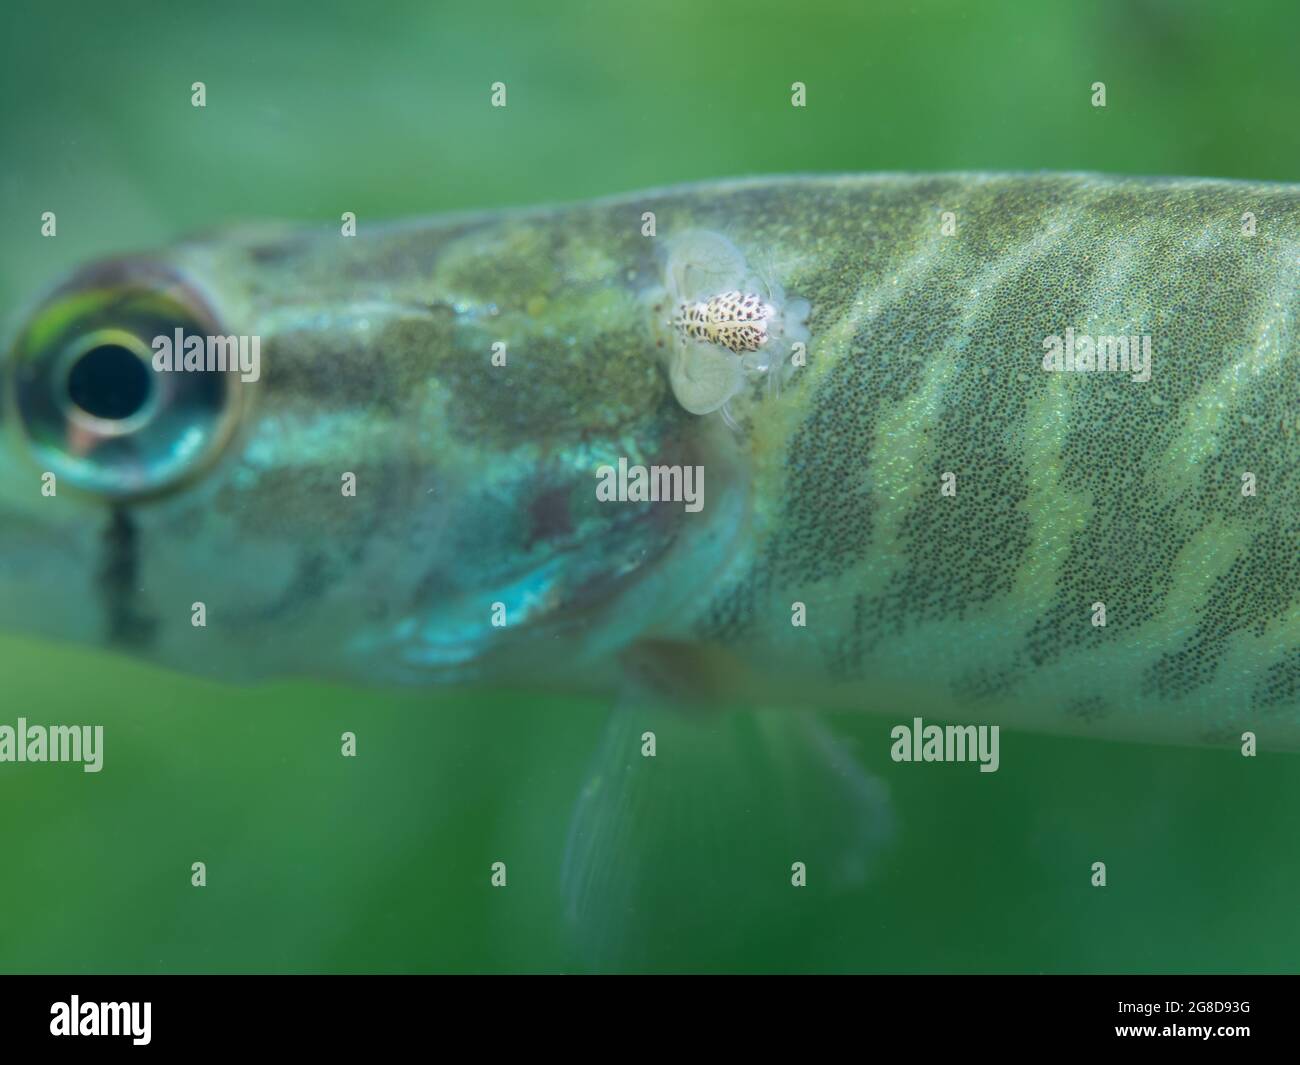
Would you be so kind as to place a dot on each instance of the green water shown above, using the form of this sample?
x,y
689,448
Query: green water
x,y
381,863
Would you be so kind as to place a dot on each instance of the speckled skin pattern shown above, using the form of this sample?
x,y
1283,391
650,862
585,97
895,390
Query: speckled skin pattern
x,y
1071,489
477,481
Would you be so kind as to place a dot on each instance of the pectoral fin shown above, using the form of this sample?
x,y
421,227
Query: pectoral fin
x,y
685,837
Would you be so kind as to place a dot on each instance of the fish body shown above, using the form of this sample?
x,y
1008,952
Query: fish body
x,y
940,508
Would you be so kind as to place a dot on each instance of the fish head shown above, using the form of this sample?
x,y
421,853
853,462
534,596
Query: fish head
x,y
393,475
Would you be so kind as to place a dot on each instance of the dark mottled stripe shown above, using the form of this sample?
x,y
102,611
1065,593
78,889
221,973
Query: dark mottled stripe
x,y
127,623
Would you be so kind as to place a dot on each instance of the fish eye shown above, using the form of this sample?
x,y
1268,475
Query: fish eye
x,y
92,408
109,381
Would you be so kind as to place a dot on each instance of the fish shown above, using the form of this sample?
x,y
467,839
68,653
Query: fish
x,y
476,482
966,496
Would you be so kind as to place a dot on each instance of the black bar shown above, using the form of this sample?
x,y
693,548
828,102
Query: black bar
x,y
368,1013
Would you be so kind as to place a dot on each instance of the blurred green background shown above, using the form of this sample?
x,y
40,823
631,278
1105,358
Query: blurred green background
x,y
317,863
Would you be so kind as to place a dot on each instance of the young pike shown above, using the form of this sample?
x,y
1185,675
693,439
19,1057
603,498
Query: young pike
x,y
923,517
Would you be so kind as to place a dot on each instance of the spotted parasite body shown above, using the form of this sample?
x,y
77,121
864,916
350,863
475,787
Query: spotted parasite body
x,y
728,325
735,320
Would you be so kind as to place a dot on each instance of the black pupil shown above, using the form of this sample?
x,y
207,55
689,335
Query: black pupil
x,y
109,382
